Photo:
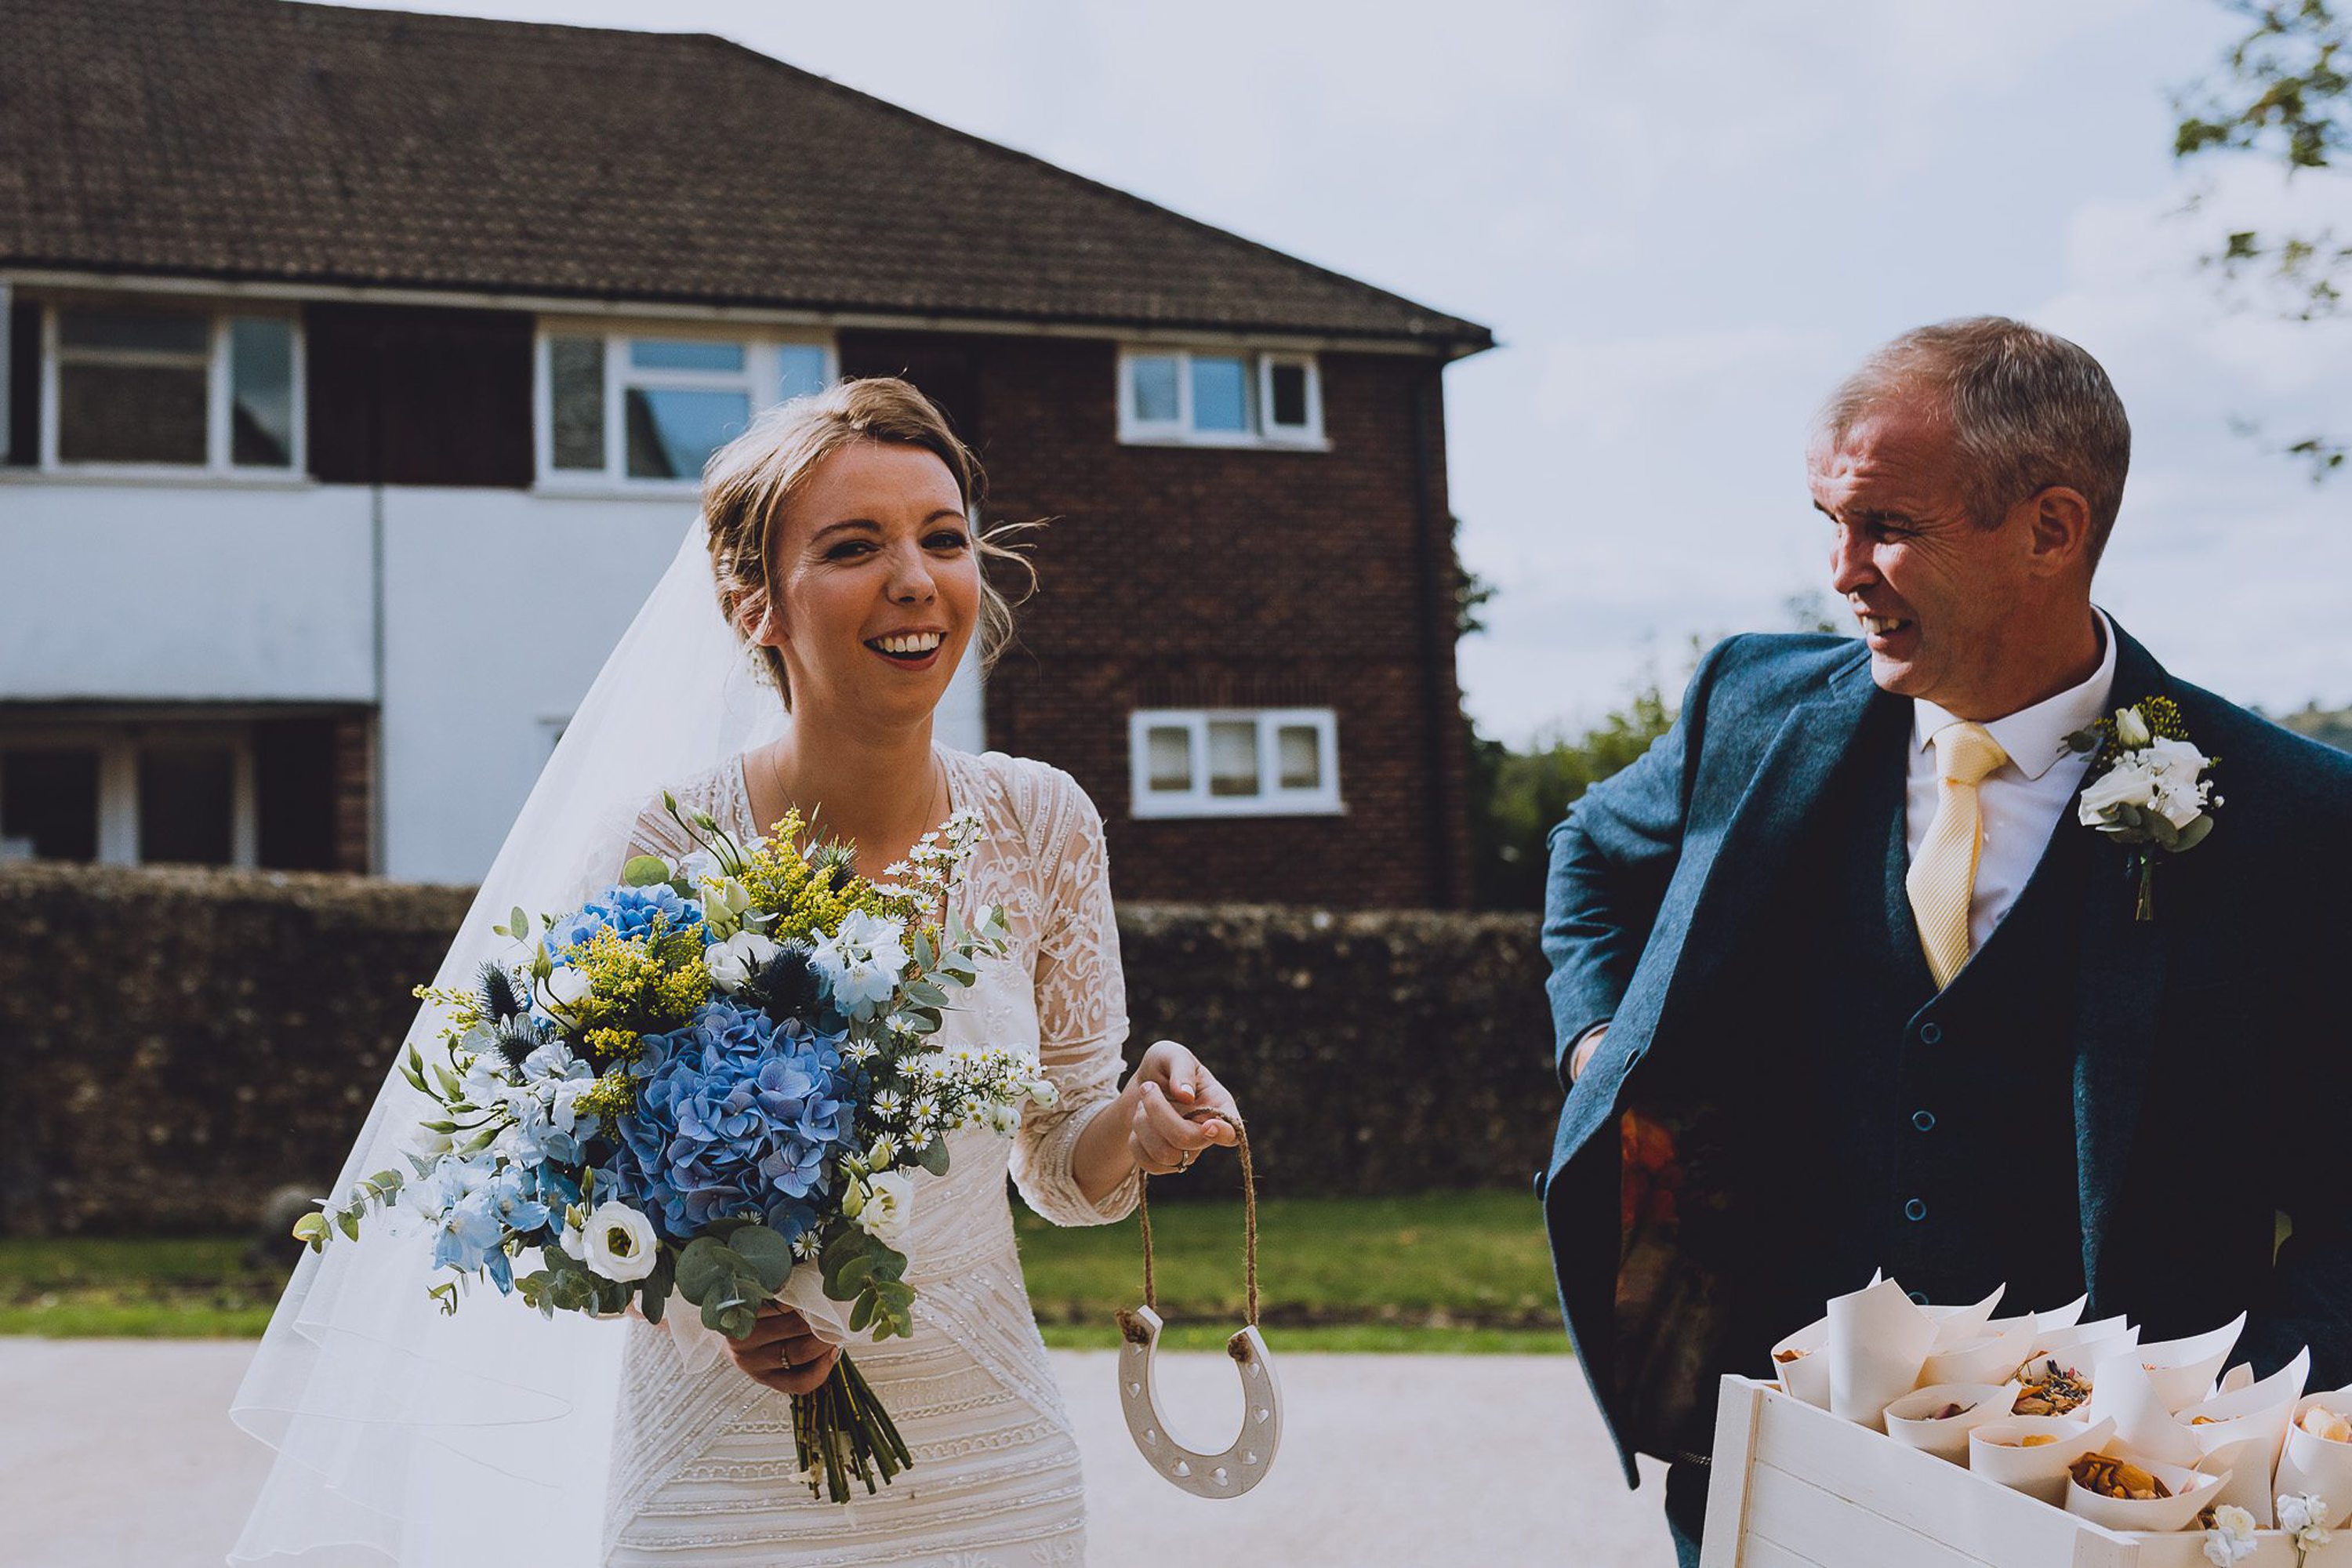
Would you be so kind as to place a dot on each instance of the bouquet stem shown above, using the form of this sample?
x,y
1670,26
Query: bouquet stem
x,y
841,1431
2144,908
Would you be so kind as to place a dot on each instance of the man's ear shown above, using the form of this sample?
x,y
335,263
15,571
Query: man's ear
x,y
2058,530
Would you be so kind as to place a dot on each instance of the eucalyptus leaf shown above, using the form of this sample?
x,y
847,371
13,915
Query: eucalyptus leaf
x,y
768,1253
2194,834
933,1157
852,1278
702,1269
737,1321
645,871
846,1243
862,1314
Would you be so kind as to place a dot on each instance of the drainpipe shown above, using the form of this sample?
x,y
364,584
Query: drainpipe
x,y
376,772
1442,701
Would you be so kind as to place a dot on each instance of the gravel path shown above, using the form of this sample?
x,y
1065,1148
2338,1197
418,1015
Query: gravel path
x,y
117,1454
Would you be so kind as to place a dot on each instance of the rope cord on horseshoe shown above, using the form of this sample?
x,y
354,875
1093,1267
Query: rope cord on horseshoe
x,y
1248,1459
1249,1213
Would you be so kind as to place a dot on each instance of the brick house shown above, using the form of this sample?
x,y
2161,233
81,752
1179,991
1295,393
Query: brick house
x,y
360,364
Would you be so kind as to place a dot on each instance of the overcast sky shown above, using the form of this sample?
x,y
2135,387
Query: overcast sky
x,y
1684,220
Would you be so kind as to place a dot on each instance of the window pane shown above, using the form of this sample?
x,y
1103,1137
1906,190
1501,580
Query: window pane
x,y
1169,757
188,803
141,331
1289,409
1299,754
667,354
130,414
802,369
48,804
261,391
1219,392
575,371
1152,379
1233,756
672,433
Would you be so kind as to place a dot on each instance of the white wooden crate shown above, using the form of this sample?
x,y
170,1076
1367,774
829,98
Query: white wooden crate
x,y
1794,1487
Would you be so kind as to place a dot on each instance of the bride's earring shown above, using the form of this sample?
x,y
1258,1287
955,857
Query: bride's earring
x,y
1245,1461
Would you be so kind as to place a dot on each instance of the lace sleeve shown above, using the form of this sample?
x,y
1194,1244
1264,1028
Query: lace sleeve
x,y
1081,1006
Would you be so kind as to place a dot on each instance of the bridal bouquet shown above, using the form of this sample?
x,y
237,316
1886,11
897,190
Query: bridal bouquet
x,y
713,1078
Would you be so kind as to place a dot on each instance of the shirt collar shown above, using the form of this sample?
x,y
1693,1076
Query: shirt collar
x,y
2035,737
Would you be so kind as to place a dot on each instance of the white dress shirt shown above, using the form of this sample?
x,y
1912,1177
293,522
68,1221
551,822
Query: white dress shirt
x,y
2019,801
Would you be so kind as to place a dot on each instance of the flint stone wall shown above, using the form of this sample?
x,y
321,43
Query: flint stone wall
x,y
177,1044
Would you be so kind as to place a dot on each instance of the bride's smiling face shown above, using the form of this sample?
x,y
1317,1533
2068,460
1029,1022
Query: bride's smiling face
x,y
877,587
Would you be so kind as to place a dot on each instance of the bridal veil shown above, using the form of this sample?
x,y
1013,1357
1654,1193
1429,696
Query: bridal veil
x,y
406,1436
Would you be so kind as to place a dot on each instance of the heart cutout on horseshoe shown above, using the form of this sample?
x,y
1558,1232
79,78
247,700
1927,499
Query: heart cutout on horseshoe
x,y
1245,1462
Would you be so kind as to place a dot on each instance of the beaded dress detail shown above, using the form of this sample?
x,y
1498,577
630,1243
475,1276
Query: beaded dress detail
x,y
703,1461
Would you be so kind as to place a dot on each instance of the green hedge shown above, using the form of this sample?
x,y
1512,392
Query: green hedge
x,y
177,1044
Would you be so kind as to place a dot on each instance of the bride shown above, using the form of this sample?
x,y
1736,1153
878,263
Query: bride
x,y
847,580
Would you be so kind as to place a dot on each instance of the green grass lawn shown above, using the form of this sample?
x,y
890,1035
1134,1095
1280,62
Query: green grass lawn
x,y
1441,1271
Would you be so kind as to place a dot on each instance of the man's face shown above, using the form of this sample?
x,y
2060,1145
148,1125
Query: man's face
x,y
1931,590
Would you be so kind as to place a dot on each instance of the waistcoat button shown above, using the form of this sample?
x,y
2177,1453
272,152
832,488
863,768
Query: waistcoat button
x,y
1925,1121
1931,1033
1916,1209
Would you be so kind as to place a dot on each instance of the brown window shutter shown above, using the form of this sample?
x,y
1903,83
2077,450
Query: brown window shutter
x,y
24,432
400,396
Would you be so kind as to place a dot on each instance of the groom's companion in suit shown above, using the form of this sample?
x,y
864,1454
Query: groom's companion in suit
x,y
1841,982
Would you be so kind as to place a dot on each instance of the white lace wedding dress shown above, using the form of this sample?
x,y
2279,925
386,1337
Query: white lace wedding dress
x,y
703,1460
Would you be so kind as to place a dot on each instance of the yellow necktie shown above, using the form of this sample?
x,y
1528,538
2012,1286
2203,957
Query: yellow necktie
x,y
1943,879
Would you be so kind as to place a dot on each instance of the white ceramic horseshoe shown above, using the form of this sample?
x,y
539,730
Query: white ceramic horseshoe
x,y
1245,1462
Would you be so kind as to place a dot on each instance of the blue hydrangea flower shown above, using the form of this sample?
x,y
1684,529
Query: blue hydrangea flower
x,y
627,911
737,1115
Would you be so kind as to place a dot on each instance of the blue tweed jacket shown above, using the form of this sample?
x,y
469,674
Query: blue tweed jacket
x,y
2212,1069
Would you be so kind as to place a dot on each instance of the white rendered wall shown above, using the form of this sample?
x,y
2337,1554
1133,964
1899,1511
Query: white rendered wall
x,y
501,607
196,593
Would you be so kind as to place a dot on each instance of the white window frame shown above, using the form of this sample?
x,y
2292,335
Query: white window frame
x,y
1257,368
118,746
760,380
1272,799
220,395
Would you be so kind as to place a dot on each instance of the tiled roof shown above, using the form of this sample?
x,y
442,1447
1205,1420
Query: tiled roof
x,y
266,140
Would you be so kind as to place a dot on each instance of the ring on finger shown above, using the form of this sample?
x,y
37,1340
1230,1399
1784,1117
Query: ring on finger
x,y
784,1358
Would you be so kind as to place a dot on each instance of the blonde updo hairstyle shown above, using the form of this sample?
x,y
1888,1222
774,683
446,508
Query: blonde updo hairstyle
x,y
749,482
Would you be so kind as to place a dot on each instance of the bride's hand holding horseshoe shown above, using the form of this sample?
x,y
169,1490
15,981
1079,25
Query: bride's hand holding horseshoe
x,y
1176,1108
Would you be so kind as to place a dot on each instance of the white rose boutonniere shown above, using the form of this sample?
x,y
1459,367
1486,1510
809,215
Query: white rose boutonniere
x,y
2148,788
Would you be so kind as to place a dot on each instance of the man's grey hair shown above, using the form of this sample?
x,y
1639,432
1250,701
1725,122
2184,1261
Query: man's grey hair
x,y
2028,409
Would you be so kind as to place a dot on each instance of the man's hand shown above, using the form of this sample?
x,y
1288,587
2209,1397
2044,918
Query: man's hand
x,y
1584,1049
783,1353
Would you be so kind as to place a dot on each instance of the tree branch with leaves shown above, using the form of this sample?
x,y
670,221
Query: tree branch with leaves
x,y
2283,91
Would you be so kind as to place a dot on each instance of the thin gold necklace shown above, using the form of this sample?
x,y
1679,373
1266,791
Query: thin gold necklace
x,y
932,817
